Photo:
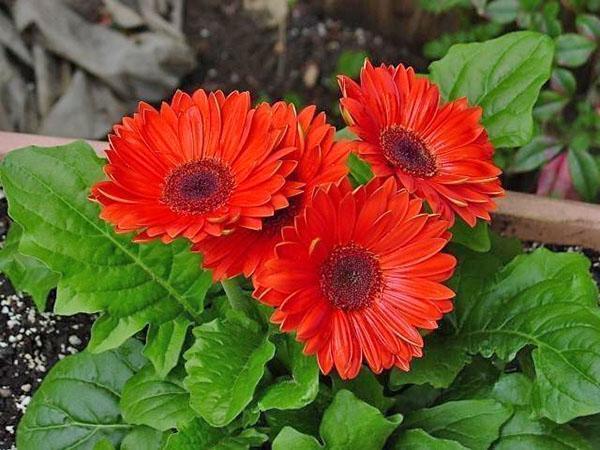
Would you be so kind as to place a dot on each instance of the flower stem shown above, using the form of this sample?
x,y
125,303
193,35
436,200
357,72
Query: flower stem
x,y
235,294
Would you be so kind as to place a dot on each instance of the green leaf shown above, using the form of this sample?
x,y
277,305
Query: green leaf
x,y
77,404
442,360
305,420
531,156
145,438
523,430
475,33
148,399
476,238
348,423
199,435
350,62
589,26
133,284
573,50
26,274
585,173
360,171
224,367
290,439
298,390
549,105
473,423
474,381
164,343
104,444
351,423
503,76
563,81
415,397
502,11
419,440
546,300
367,388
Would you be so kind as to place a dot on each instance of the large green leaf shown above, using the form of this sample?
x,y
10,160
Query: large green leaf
x,y
26,274
132,284
473,423
348,423
148,399
419,440
164,342
199,435
523,431
503,76
77,404
298,390
224,367
442,360
549,301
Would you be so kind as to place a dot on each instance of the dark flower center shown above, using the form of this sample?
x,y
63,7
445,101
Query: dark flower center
x,y
282,217
405,149
198,187
351,277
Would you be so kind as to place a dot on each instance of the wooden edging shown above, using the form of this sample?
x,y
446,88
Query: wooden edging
x,y
526,216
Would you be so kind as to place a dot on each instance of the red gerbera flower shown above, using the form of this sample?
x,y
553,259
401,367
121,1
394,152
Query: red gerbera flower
x,y
438,151
320,161
357,274
198,167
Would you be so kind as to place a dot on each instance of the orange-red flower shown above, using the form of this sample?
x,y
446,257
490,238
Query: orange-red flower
x,y
198,167
357,275
320,161
438,151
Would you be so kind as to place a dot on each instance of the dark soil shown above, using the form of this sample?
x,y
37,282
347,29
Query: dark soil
x,y
237,52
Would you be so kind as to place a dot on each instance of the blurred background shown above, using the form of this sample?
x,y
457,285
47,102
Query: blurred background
x,y
74,67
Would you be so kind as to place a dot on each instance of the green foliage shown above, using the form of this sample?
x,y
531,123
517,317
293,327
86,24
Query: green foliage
x,y
584,172
531,156
350,62
297,390
476,238
347,423
148,399
417,439
132,284
503,76
164,343
562,111
443,358
573,50
26,273
224,367
472,423
199,435
77,405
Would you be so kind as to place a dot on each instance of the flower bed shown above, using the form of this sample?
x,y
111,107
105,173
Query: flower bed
x,y
260,279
